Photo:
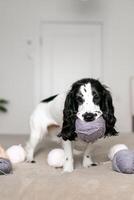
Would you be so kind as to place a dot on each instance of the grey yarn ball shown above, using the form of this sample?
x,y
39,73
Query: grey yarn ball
x,y
5,166
123,161
90,131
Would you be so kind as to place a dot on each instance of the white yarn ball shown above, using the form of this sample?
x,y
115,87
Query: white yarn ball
x,y
16,153
56,158
115,149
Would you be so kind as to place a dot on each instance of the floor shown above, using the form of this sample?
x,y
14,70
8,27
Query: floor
x,y
41,182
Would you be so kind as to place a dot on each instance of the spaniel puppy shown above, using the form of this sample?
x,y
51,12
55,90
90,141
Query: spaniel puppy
x,y
87,99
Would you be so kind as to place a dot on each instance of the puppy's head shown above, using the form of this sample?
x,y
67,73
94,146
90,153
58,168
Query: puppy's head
x,y
87,99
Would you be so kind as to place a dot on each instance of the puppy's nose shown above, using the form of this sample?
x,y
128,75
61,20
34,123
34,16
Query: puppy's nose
x,y
89,116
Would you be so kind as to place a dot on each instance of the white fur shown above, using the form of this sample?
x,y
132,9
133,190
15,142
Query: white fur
x,y
87,160
51,113
68,150
45,115
115,149
88,105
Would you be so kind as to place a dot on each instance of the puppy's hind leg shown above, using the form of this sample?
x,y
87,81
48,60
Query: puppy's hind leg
x,y
35,138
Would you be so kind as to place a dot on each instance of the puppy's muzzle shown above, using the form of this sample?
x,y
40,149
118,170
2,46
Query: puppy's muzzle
x,y
88,116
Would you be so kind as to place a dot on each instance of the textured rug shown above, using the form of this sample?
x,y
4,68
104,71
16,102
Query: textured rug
x,y
41,182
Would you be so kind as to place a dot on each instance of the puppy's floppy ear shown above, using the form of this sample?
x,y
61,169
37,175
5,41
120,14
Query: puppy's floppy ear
x,y
69,117
108,113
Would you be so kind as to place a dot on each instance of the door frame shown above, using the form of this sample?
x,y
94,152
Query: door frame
x,y
39,43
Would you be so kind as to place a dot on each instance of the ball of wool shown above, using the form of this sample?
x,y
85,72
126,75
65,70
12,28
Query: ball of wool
x,y
56,157
5,166
16,153
114,149
123,161
90,131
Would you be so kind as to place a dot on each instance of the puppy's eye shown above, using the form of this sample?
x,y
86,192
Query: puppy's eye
x,y
96,97
79,99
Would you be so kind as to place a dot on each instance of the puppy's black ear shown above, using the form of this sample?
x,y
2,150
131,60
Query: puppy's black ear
x,y
108,113
69,116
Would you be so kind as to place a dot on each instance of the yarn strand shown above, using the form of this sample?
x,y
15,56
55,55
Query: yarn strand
x,y
3,172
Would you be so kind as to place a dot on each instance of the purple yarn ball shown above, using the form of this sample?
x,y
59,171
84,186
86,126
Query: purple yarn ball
x,y
5,166
123,161
90,131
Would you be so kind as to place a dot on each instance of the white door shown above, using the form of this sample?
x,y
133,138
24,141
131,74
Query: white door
x,y
132,101
69,51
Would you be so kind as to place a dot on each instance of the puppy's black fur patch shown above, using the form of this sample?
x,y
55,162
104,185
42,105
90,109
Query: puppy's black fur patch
x,y
49,99
101,97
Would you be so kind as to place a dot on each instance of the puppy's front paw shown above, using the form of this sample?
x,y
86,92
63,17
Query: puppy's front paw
x,y
68,167
87,162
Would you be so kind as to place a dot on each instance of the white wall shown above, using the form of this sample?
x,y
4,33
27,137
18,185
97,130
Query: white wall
x,y
19,52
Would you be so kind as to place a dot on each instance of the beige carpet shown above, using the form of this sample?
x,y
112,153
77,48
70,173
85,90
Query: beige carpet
x,y
40,182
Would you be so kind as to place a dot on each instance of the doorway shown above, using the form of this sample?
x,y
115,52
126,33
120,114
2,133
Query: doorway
x,y
69,51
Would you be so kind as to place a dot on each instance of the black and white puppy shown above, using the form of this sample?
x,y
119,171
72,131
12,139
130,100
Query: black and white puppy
x,y
87,99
